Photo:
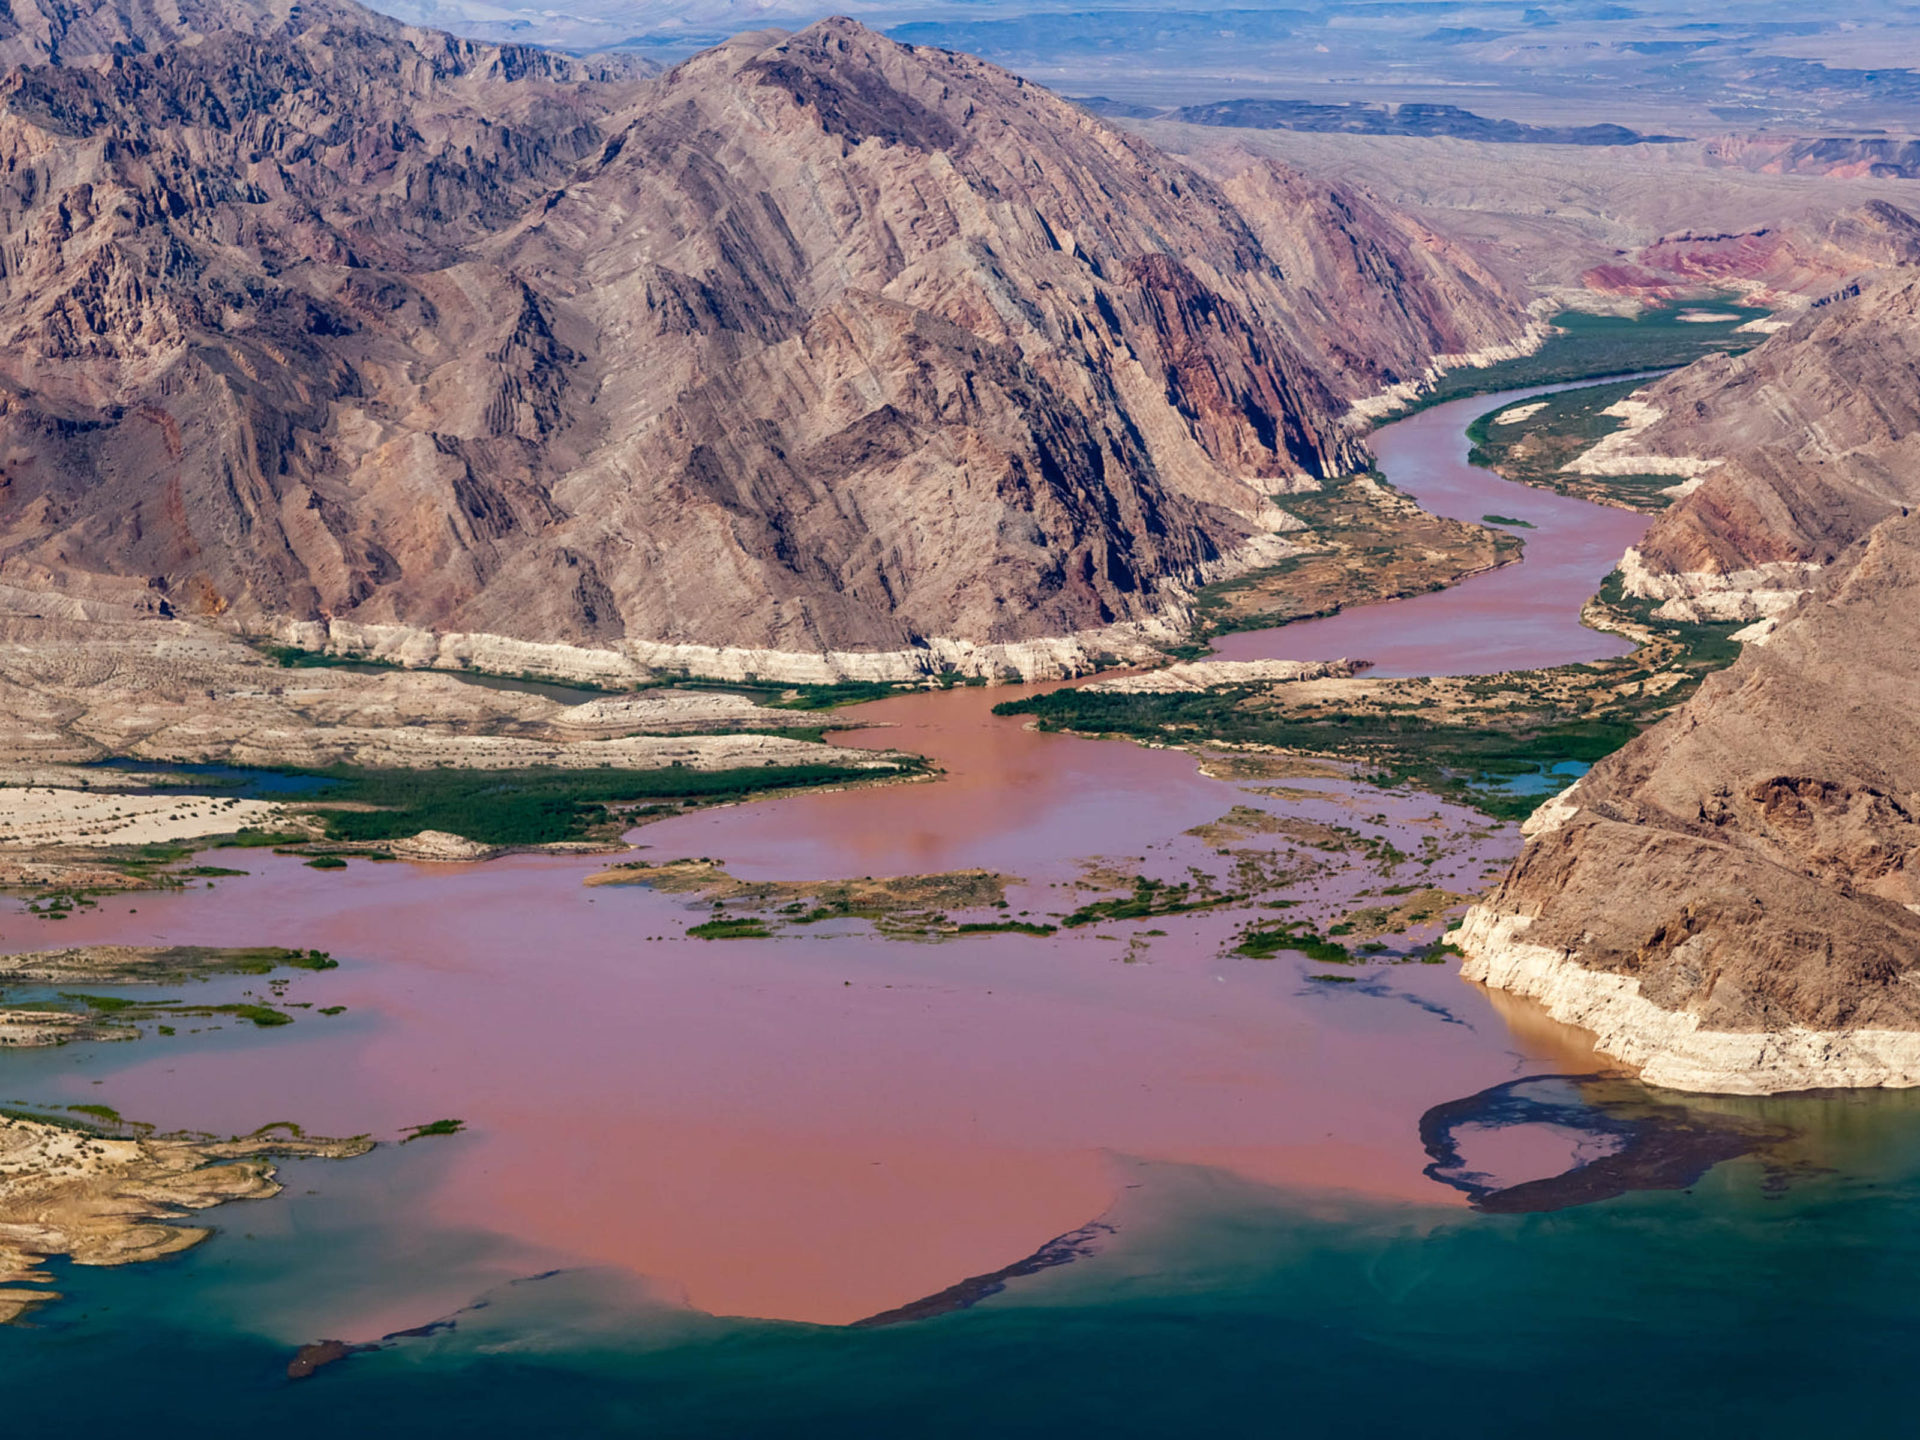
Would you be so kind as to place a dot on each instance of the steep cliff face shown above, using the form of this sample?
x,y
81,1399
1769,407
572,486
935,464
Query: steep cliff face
x,y
818,342
1795,450
1731,900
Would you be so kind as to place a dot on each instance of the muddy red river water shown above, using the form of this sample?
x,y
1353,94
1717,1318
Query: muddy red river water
x,y
1518,617
827,1124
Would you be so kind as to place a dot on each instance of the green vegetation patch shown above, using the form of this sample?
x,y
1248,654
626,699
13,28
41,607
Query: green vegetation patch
x,y
292,657
433,1127
1149,898
1704,647
729,928
1266,940
265,1016
1555,430
1469,762
103,1004
128,1009
1466,739
326,862
537,807
261,840
1005,927
158,964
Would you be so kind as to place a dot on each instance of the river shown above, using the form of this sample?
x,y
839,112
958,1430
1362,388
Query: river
x,y
690,1165
1518,617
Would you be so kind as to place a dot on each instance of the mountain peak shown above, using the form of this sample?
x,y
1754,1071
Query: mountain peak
x,y
821,343
71,32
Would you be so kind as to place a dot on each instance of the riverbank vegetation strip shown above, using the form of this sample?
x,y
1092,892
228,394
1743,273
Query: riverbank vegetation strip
x,y
1488,741
539,807
1586,346
1555,430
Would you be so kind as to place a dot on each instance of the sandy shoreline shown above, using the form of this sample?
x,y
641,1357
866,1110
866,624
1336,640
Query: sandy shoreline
x,y
36,815
100,1200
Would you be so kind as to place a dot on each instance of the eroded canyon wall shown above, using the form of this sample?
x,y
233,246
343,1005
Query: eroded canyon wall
x,y
816,344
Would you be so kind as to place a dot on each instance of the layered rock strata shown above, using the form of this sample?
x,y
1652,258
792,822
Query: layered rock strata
x,y
1775,264
1791,453
817,345
1732,902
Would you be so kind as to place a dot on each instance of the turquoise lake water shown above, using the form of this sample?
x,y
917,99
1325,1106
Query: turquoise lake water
x,y
1738,1307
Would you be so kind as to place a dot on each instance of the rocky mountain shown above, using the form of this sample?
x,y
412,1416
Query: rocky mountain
x,y
1733,901
1795,451
1789,263
321,325
1360,117
1841,156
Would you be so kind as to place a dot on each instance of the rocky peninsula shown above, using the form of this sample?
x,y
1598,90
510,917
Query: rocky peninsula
x,y
101,1199
1732,902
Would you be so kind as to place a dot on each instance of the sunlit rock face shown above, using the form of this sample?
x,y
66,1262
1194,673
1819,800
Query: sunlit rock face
x,y
1799,447
814,343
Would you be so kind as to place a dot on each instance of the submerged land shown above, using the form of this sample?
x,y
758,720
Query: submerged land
x,y
97,1197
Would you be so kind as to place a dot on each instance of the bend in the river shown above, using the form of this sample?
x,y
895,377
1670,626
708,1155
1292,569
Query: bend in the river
x,y
1017,799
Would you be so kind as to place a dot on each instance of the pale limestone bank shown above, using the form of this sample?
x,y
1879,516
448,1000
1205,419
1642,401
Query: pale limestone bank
x,y
85,678
1732,902
1193,676
1619,453
32,816
1046,657
1671,1048
101,1200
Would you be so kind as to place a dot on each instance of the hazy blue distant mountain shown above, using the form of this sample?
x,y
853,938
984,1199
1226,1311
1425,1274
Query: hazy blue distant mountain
x,y
1655,64
1358,118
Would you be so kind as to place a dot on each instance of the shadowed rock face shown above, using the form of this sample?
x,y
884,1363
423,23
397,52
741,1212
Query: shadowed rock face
x,y
815,342
1753,862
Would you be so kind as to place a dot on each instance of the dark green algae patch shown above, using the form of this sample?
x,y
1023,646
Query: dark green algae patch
x,y
533,806
1502,728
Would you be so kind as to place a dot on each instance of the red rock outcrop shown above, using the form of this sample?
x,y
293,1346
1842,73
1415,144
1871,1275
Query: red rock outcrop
x,y
1842,157
1775,264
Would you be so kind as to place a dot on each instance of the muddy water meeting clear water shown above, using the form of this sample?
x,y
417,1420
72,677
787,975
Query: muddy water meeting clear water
x,y
690,1165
